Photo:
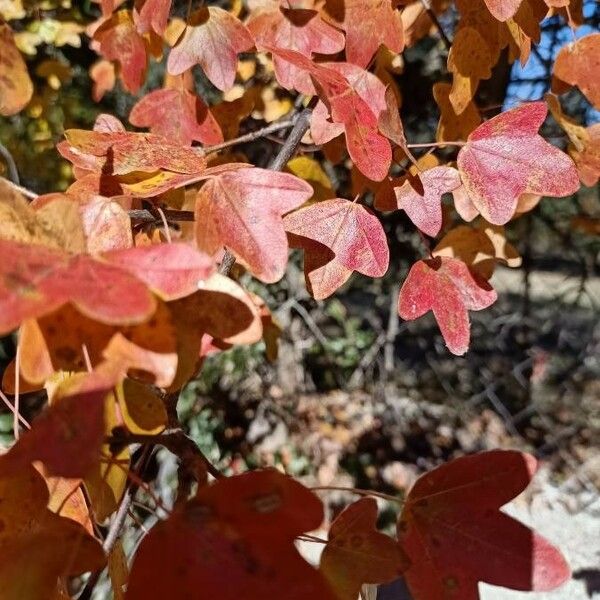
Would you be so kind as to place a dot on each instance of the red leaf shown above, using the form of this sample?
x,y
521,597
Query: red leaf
x,y
370,151
448,288
234,540
357,553
152,16
172,271
67,437
213,38
368,25
178,115
35,280
455,535
299,29
503,9
344,230
505,158
421,197
120,42
243,210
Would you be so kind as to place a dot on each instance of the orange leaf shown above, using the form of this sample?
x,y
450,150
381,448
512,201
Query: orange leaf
x,y
16,88
357,553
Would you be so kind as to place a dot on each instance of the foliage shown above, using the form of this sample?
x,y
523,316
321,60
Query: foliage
x,y
121,287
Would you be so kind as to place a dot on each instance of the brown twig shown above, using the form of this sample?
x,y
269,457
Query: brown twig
x,y
19,188
434,19
253,135
11,166
148,216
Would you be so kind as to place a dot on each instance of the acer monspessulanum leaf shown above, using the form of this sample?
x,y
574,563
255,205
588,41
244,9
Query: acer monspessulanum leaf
x,y
269,125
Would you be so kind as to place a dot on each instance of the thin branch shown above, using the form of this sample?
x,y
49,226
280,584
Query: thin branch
x,y
253,135
287,151
436,144
148,216
19,188
427,6
11,166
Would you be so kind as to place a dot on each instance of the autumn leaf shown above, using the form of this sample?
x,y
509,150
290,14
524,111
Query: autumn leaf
x,y
177,114
235,539
447,287
66,437
356,553
293,28
120,42
172,271
368,25
31,535
213,38
243,210
505,157
123,152
503,9
341,88
152,15
481,248
343,230
453,125
420,195
578,63
16,87
455,535
102,73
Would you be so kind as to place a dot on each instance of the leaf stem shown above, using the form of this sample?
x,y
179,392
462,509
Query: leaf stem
x,y
436,144
333,488
427,6
253,135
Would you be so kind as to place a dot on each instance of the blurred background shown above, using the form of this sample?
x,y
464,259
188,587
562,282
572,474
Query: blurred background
x,y
351,395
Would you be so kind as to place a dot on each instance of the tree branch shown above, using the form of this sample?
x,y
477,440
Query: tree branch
x,y
253,135
427,6
11,166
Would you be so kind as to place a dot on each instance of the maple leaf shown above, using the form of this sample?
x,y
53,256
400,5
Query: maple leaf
x,y
153,15
481,248
106,224
578,64
16,87
123,152
213,38
420,196
120,42
177,114
235,539
368,25
66,437
243,210
503,9
293,28
447,287
505,157
31,535
350,113
455,535
356,553
454,126
172,271
343,230
103,75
